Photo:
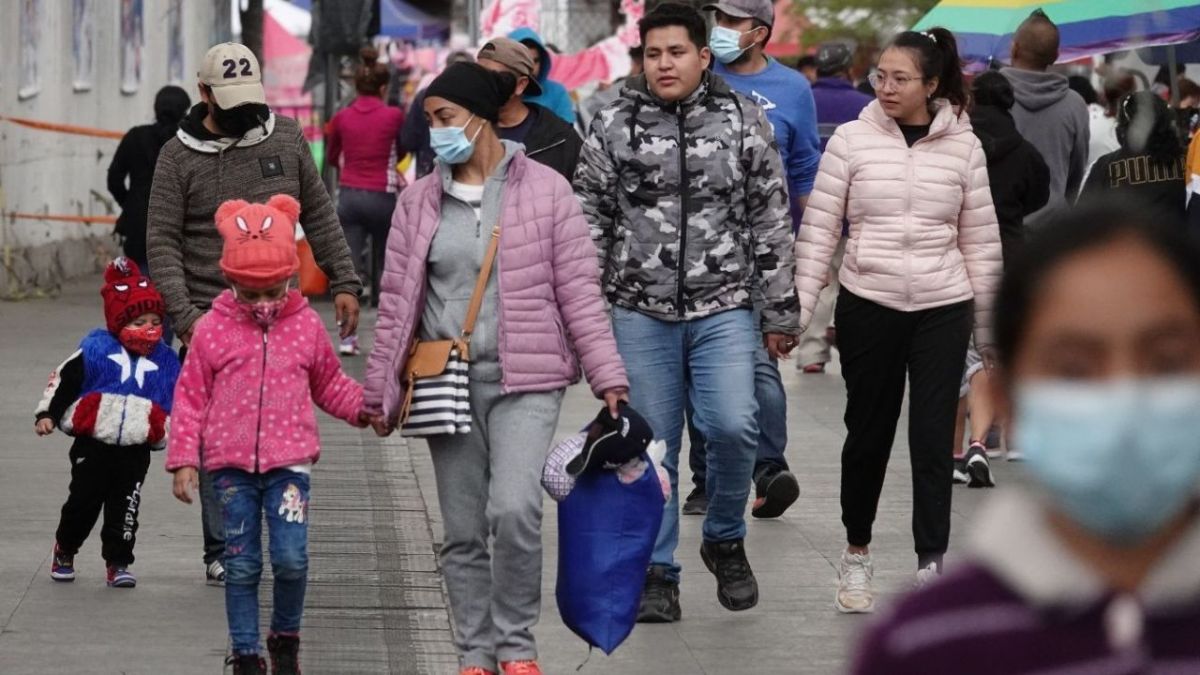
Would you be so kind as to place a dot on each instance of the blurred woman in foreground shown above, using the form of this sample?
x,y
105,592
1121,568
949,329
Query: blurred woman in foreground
x,y
1093,566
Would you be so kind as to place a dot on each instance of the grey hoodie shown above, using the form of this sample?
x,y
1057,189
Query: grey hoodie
x,y
1055,120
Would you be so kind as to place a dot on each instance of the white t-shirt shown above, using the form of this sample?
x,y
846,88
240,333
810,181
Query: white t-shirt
x,y
471,194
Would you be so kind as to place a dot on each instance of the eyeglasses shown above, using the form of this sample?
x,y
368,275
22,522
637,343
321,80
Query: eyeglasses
x,y
879,81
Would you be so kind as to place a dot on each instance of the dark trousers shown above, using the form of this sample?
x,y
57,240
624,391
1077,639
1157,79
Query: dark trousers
x,y
104,478
211,521
366,214
879,347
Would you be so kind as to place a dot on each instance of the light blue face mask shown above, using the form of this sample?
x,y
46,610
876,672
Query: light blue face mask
x,y
725,44
1119,458
451,144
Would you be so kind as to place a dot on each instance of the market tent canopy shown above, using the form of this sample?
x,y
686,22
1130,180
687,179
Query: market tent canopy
x,y
984,28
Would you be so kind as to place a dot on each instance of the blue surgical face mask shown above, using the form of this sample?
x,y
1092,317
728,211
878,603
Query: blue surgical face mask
x,y
725,44
451,144
1120,458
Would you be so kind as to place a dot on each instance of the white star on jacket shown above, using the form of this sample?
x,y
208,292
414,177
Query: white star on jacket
x,y
127,368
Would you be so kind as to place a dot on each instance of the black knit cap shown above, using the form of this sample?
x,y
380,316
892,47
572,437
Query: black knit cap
x,y
475,88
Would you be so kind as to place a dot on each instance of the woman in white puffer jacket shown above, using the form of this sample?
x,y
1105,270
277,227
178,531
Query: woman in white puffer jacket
x,y
922,259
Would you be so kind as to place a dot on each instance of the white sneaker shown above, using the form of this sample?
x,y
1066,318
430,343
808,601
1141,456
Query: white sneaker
x,y
927,575
854,595
349,346
1015,455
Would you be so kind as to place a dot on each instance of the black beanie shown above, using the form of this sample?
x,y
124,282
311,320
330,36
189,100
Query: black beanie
x,y
475,88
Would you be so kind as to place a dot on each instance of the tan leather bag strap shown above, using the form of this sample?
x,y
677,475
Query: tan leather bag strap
x,y
481,283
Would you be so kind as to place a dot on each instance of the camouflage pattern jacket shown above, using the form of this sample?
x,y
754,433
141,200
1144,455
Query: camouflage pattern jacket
x,y
688,206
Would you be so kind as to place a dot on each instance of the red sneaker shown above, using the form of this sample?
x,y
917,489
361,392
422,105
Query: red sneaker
x,y
814,368
475,670
520,668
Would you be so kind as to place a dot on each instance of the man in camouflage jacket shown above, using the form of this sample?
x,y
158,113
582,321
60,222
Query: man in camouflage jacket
x,y
685,192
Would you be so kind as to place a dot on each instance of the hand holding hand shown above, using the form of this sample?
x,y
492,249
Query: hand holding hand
x,y
186,483
381,426
779,345
44,426
612,399
365,419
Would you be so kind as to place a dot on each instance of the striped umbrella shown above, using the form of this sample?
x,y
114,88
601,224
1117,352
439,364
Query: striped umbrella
x,y
984,28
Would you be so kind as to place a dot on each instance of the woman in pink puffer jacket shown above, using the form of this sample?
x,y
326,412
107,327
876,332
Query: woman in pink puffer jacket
x,y
923,257
542,307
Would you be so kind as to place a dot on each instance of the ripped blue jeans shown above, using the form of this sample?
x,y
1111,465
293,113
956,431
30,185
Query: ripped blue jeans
x,y
244,497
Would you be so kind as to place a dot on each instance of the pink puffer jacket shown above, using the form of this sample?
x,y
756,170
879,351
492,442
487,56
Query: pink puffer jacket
x,y
245,396
549,284
923,231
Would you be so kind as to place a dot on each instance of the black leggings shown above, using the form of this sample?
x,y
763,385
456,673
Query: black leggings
x,y
878,348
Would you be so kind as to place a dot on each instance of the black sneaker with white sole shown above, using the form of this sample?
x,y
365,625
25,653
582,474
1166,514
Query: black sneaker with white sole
x,y
737,589
960,472
979,470
774,492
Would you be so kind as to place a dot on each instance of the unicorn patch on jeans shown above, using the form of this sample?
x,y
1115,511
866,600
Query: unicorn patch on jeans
x,y
293,506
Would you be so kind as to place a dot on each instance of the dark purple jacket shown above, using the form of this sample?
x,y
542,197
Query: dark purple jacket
x,y
1025,604
838,102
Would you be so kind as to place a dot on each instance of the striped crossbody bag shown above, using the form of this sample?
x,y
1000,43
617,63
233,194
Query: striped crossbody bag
x,y
437,398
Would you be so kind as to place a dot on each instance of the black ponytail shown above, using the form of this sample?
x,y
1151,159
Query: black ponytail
x,y
936,53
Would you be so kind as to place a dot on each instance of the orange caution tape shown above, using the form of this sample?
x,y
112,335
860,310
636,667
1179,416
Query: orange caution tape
x,y
65,128
105,220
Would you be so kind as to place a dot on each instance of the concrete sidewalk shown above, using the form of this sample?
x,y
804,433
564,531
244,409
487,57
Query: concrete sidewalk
x,y
375,603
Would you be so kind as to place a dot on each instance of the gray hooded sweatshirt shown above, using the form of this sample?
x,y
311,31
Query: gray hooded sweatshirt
x,y
1055,120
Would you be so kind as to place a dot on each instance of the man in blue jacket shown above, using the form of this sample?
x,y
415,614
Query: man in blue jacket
x,y
553,95
738,39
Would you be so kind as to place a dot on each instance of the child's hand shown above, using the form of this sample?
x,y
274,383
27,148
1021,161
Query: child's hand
x,y
44,426
187,481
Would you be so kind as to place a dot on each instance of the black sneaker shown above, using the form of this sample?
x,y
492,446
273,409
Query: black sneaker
x,y
774,492
696,503
285,654
247,664
736,587
979,471
960,472
660,598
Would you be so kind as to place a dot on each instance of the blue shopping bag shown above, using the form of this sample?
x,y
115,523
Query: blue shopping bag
x,y
606,533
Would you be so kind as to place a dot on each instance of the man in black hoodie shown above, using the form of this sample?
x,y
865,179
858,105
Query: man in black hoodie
x,y
1020,179
547,138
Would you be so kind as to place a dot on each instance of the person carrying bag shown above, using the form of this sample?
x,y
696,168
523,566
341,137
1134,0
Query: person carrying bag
x,y
527,330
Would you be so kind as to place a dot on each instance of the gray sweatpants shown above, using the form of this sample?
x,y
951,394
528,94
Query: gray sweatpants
x,y
489,484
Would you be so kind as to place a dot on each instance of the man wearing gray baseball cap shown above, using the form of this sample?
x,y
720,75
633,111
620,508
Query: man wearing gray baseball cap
x,y
738,39
547,139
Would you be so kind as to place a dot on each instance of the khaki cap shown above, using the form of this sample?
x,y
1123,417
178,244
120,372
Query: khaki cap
x,y
232,71
515,57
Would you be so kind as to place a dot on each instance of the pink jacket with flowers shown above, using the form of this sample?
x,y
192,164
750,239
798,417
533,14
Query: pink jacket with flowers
x,y
245,395
551,307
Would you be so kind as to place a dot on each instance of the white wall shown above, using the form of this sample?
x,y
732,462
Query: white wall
x,y
44,172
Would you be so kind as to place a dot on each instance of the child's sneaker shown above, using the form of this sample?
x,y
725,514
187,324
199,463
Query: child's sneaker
x,y
349,346
62,566
247,664
119,576
475,670
285,654
214,574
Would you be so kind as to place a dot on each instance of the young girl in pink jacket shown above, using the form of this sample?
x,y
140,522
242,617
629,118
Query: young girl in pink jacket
x,y
243,407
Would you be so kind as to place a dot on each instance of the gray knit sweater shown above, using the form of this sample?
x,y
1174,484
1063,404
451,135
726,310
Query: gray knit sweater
x,y
195,175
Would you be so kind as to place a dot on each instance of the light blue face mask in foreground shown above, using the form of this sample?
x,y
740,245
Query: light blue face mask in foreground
x,y
1120,458
725,44
451,144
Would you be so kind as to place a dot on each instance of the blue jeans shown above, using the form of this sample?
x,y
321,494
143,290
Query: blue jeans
x,y
283,496
772,423
708,362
